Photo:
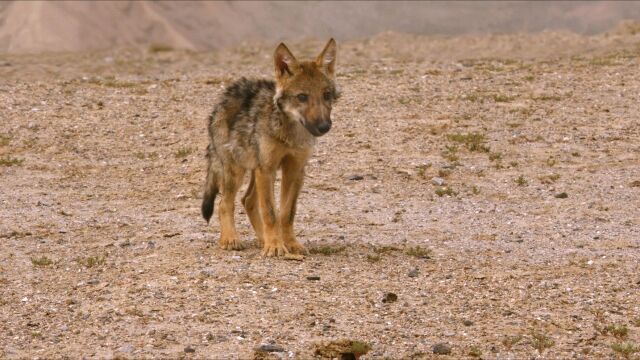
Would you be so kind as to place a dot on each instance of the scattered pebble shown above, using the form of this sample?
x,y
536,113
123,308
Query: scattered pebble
x,y
189,349
271,348
208,272
126,348
467,323
562,195
413,273
389,297
356,177
438,181
441,349
313,278
296,257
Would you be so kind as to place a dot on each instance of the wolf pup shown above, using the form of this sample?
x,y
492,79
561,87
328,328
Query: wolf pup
x,y
261,126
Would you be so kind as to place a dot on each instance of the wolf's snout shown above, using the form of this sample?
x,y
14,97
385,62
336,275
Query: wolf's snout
x,y
324,126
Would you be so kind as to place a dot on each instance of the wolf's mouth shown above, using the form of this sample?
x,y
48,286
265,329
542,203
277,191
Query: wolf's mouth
x,y
310,129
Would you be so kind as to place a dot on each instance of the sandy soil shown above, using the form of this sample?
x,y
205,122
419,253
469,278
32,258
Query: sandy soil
x,y
532,251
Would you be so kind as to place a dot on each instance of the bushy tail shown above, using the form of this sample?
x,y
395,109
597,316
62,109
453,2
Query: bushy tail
x,y
211,184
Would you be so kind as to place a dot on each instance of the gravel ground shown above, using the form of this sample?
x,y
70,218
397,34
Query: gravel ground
x,y
477,196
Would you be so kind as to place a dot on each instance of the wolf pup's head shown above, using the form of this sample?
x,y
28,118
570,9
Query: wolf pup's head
x,y
306,90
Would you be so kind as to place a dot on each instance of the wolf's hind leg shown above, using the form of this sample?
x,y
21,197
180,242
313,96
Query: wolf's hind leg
x,y
232,180
250,202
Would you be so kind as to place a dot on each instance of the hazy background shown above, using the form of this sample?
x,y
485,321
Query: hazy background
x,y
33,26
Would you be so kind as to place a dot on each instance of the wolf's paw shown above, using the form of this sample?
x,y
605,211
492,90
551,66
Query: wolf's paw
x,y
231,244
295,247
274,249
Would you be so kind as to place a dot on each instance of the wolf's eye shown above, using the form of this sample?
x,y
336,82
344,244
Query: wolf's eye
x,y
327,95
303,97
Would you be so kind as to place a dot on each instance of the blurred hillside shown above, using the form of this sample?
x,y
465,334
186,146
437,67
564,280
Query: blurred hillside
x,y
33,26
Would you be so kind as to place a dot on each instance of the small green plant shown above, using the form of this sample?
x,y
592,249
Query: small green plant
x,y
91,261
521,181
445,190
473,98
327,250
184,152
495,156
10,161
618,330
510,341
422,169
419,252
41,261
444,173
541,341
475,190
111,81
475,351
385,249
549,179
502,98
4,140
546,97
472,141
450,153
626,350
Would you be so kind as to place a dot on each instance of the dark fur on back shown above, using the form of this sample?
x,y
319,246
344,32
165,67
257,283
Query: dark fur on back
x,y
240,96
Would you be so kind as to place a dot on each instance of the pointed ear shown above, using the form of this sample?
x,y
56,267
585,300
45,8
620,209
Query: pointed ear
x,y
327,58
284,61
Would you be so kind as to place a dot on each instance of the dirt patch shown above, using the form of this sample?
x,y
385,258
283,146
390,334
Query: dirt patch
x,y
438,184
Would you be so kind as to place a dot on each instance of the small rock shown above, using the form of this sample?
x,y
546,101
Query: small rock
x,y
356,177
467,323
189,349
562,195
124,243
93,282
413,273
389,297
207,272
126,348
441,349
438,181
151,244
296,257
313,278
270,348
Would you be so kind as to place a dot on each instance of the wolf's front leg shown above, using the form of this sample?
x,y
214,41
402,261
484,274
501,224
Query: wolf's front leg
x,y
292,179
273,244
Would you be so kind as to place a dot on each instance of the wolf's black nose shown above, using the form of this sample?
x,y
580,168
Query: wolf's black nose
x,y
324,127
